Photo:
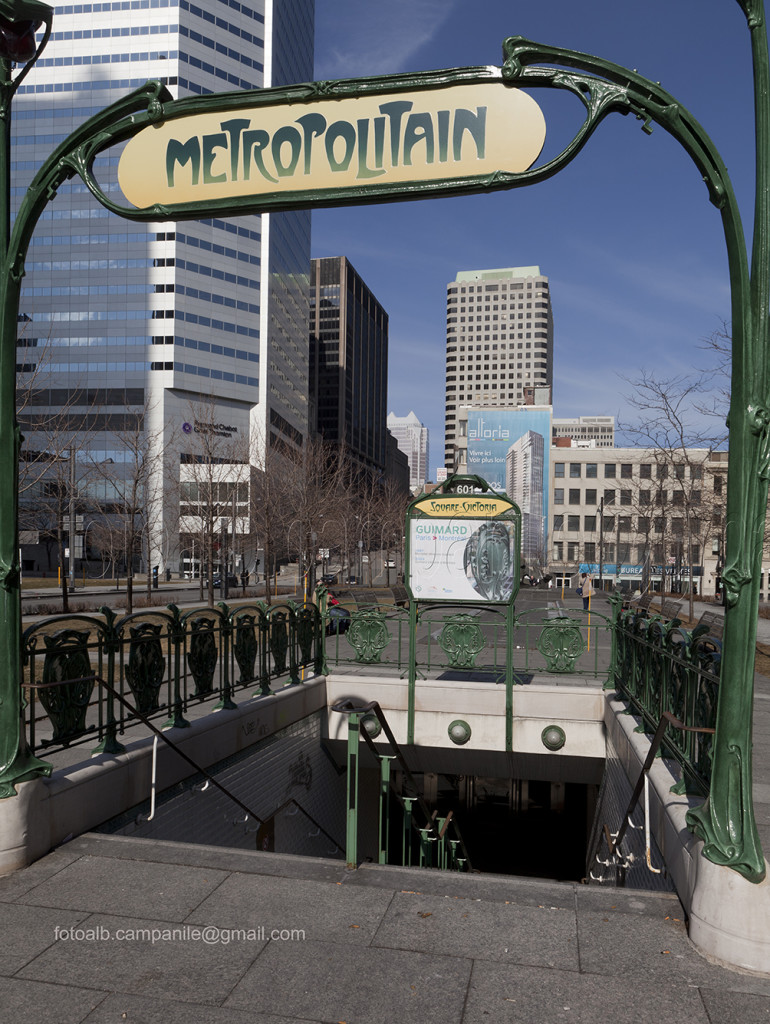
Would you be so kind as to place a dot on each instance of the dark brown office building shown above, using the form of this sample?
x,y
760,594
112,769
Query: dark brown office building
x,y
348,361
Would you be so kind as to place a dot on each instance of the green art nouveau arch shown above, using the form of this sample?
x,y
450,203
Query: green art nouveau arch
x,y
725,822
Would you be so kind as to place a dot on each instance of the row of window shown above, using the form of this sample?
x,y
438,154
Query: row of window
x,y
625,470
107,58
217,300
218,275
218,350
205,371
98,84
610,496
640,553
622,524
220,250
514,286
218,72
109,33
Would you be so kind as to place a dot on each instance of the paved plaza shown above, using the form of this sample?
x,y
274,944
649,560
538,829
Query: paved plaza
x,y
108,929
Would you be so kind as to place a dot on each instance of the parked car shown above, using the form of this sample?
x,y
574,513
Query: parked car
x,y
339,620
329,577
232,580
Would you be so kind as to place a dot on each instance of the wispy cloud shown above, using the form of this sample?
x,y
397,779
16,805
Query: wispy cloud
x,y
355,38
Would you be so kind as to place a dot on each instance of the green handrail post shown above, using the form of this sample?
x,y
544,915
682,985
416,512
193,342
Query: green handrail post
x,y
264,646
384,835
412,677
351,831
177,631
294,678
406,838
110,744
226,703
616,605
510,627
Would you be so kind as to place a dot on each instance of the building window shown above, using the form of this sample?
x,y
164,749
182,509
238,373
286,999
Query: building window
x,y
645,471
609,469
609,496
558,522
589,551
573,524
589,524
574,469
624,524
558,495
572,551
591,496
574,496
592,469
626,470
558,551
625,497
558,469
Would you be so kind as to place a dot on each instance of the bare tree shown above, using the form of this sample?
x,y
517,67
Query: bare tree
x,y
56,433
670,425
213,493
128,491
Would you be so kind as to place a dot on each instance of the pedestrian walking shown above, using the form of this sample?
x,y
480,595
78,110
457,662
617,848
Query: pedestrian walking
x,y
585,589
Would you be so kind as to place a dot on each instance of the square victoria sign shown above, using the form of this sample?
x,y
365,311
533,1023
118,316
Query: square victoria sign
x,y
464,545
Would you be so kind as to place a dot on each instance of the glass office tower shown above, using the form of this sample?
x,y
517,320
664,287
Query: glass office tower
x,y
188,326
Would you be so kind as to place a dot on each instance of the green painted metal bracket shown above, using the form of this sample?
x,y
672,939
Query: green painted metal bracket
x,y
726,821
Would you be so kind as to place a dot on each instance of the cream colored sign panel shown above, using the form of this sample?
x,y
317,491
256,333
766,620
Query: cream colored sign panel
x,y
453,132
470,506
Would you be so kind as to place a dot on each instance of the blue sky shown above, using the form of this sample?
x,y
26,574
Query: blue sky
x,y
633,249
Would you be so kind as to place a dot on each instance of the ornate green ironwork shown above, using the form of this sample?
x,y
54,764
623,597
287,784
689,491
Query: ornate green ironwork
x,y
368,636
725,822
67,683
279,639
462,639
561,643
306,632
202,655
663,668
146,665
246,646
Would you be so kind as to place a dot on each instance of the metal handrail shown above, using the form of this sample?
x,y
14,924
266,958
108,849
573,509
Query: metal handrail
x,y
667,718
159,734
347,707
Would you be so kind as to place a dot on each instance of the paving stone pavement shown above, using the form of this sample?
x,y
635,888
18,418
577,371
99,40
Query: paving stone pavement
x,y
109,929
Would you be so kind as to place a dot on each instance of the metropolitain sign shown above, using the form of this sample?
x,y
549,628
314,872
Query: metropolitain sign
x,y
384,139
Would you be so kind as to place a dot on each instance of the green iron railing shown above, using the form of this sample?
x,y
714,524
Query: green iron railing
x,y
664,670
426,839
651,662
165,661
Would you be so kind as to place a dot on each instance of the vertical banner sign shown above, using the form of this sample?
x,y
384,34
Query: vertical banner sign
x,y
511,448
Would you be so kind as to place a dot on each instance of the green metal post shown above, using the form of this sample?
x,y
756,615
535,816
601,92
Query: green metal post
x,y
406,838
510,626
110,744
351,833
384,807
726,821
412,671
17,763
